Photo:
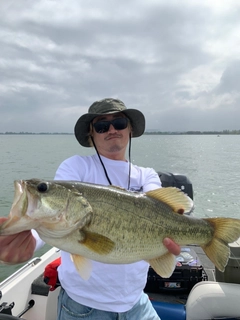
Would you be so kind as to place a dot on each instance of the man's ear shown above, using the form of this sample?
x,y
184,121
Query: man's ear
x,y
90,140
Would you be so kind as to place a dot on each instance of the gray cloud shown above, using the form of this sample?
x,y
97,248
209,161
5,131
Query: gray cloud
x,y
230,79
177,64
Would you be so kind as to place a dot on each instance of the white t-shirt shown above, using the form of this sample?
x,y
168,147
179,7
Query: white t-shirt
x,y
110,287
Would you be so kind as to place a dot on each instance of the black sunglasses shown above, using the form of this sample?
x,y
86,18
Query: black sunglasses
x,y
103,126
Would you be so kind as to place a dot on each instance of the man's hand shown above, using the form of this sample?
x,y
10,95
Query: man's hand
x,y
172,246
16,248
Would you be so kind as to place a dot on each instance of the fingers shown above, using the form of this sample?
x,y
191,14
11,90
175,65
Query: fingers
x,y
172,246
17,248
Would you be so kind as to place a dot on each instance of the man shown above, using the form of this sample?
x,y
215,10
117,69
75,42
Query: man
x,y
113,291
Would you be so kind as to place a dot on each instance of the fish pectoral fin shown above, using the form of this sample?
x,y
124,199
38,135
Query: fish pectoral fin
x,y
164,265
173,197
97,242
83,266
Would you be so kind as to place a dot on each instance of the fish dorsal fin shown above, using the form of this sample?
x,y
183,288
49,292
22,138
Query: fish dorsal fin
x,y
83,266
173,197
164,265
96,242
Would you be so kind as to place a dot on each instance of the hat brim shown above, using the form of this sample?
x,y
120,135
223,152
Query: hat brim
x,y
82,126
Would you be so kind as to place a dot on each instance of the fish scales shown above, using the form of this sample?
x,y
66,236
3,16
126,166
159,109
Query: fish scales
x,y
143,218
111,225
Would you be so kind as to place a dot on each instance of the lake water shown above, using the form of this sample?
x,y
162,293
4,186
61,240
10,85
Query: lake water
x,y
211,163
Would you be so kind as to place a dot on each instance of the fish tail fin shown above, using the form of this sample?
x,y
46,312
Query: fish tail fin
x,y
226,230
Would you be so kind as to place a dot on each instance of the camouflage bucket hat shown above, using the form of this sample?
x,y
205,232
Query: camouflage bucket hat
x,y
107,106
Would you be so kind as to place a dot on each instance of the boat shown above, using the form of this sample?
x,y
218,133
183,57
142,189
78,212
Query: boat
x,y
198,291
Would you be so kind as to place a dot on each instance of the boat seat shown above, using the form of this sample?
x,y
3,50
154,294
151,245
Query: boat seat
x,y
39,287
211,300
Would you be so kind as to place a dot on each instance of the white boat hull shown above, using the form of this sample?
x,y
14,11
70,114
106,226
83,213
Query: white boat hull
x,y
17,289
207,299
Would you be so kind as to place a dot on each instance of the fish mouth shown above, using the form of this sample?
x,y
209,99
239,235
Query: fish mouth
x,y
18,209
20,201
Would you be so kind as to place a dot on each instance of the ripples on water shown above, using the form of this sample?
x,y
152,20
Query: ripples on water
x,y
210,162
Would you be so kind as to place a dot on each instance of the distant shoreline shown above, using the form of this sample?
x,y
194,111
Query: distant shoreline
x,y
218,133
35,133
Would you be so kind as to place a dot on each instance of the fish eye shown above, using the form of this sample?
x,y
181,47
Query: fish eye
x,y
42,187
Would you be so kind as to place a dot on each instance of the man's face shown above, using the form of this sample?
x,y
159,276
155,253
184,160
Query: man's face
x,y
113,142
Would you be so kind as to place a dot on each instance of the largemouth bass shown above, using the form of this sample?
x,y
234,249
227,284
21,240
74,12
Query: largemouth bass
x,y
111,225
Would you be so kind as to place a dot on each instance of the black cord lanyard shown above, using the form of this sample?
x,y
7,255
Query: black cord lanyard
x,y
129,162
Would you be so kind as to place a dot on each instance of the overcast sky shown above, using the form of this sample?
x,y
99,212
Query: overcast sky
x,y
176,61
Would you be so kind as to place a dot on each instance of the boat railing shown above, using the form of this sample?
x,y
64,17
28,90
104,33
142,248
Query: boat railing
x,y
27,266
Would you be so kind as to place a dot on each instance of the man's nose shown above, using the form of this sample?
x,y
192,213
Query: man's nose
x,y
111,128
